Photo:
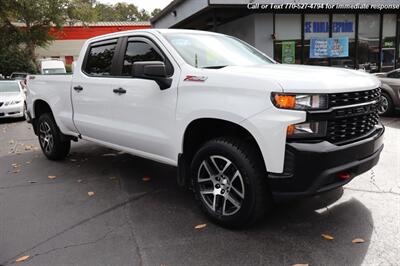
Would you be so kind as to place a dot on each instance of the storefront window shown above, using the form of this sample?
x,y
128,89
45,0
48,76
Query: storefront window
x,y
388,42
287,44
316,33
343,27
368,42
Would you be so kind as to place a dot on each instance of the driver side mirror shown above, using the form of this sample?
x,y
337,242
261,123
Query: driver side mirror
x,y
152,70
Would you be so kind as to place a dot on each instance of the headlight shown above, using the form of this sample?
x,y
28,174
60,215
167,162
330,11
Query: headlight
x,y
299,101
12,102
314,129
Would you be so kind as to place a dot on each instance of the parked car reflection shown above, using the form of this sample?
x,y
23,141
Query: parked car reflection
x,y
390,100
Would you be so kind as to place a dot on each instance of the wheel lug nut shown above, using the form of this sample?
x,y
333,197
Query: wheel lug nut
x,y
222,191
217,186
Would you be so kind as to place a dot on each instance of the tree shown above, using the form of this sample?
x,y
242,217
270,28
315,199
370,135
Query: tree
x,y
104,12
143,15
120,12
36,17
81,11
12,56
155,12
125,12
25,25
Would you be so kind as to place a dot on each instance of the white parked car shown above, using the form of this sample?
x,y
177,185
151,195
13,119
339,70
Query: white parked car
x,y
51,67
12,99
242,129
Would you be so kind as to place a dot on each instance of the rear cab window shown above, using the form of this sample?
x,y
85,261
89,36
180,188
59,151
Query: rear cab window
x,y
99,58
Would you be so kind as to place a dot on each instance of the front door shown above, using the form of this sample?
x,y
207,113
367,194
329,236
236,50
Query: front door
x,y
144,115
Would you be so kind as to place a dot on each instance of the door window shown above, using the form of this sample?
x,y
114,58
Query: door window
x,y
99,59
138,51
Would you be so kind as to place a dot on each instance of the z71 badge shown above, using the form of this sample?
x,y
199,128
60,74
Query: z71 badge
x,y
195,78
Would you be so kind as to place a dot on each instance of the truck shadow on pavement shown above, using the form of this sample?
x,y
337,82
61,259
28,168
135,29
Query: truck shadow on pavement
x,y
163,217
10,120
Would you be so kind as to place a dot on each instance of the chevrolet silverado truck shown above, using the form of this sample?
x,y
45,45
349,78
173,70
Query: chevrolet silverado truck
x,y
243,130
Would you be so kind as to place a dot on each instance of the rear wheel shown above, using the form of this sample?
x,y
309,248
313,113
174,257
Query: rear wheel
x,y
230,182
50,138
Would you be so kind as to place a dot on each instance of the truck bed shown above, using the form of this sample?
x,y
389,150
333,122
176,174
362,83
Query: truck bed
x,y
56,91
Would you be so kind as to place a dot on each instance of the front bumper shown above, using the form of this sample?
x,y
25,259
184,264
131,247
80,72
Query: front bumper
x,y
312,168
12,111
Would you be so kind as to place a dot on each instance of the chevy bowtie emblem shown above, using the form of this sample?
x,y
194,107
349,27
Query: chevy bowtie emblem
x,y
195,78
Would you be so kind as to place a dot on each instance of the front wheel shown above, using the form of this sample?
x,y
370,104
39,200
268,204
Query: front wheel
x,y
229,182
50,138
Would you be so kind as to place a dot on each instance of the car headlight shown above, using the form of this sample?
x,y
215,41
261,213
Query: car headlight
x,y
299,101
12,102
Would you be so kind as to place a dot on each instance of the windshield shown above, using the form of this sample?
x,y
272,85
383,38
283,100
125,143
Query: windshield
x,y
54,71
9,86
215,51
18,76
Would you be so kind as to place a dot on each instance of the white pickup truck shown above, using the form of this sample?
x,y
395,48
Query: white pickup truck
x,y
243,130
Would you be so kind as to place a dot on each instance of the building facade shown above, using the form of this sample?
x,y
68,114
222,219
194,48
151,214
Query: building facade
x,y
69,40
353,34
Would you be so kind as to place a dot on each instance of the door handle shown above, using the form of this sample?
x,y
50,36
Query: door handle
x,y
119,91
78,88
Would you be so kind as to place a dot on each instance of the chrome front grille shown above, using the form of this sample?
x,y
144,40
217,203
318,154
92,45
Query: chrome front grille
x,y
344,129
351,115
357,97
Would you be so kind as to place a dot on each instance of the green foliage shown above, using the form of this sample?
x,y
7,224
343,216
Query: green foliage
x,y
36,17
81,10
15,59
120,12
155,12
12,56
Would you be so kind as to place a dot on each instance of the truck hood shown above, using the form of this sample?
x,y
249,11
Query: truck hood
x,y
308,79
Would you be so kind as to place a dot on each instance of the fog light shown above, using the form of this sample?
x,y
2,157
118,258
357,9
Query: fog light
x,y
312,129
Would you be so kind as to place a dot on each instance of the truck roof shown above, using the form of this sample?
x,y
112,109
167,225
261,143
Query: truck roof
x,y
153,31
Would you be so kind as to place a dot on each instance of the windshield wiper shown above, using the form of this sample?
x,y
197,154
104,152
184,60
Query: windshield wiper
x,y
214,67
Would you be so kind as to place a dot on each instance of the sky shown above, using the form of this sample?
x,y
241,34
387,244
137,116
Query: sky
x,y
149,5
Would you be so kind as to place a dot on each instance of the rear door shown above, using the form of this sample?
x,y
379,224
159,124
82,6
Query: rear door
x,y
92,91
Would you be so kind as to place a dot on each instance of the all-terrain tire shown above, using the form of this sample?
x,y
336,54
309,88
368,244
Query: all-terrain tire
x,y
54,145
250,191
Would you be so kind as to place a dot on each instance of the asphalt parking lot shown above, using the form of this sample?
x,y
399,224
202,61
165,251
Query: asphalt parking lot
x,y
139,216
